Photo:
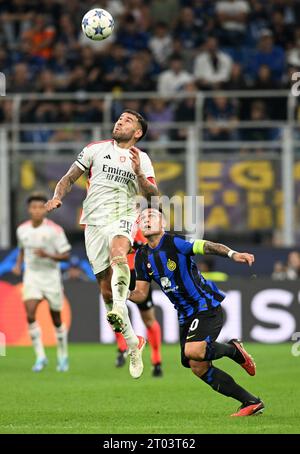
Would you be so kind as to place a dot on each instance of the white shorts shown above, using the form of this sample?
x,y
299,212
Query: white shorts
x,y
98,240
54,297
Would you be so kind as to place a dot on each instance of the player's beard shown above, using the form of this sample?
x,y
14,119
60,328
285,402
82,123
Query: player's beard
x,y
121,136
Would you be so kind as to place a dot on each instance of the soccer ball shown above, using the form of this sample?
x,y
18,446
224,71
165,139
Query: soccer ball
x,y
97,24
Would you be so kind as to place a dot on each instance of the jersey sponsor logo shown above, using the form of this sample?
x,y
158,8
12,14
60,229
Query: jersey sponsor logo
x,y
118,175
166,285
171,265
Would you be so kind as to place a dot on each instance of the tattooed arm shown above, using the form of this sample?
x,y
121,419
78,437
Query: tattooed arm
x,y
208,247
64,186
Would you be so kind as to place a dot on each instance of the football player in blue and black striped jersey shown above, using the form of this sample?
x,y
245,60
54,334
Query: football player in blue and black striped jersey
x,y
167,260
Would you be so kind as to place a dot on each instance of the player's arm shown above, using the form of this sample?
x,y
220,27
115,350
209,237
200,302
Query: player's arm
x,y
64,186
56,256
17,269
140,293
147,186
205,247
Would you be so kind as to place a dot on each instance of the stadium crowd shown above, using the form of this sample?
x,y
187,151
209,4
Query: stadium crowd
x,y
162,46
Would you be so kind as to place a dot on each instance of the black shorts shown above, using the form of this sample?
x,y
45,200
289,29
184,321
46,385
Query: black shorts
x,y
204,326
142,306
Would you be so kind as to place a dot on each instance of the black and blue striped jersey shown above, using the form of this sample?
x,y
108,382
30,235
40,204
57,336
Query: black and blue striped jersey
x,y
172,267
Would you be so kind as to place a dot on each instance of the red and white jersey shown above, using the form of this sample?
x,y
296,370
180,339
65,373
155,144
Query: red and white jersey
x,y
112,182
48,236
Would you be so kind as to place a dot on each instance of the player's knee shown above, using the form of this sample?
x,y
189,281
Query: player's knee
x,y
118,259
195,350
199,368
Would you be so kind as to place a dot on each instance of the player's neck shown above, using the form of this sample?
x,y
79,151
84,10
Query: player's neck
x,y
154,240
36,224
126,145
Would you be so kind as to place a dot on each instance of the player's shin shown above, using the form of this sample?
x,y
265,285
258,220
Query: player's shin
x,y
62,341
36,337
223,383
128,333
120,283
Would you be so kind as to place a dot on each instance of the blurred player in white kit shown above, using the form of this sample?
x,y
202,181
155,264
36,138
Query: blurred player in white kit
x,y
117,172
43,244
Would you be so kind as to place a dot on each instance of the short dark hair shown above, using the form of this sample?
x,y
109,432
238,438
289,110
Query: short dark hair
x,y
37,197
154,206
140,119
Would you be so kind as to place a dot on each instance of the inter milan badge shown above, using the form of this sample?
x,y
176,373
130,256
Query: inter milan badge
x,y
171,265
122,158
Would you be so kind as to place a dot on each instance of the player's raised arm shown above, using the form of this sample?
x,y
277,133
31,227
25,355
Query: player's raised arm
x,y
147,185
208,247
64,186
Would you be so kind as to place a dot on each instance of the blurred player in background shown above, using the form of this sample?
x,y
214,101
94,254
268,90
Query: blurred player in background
x,y
167,260
147,312
42,245
117,172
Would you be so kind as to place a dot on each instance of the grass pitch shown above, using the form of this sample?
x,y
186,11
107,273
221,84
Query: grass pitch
x,y
95,397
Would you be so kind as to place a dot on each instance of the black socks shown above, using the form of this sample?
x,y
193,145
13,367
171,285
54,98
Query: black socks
x,y
223,383
215,350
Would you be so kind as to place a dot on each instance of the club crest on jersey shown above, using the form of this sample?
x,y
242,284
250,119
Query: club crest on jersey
x,y
122,158
171,265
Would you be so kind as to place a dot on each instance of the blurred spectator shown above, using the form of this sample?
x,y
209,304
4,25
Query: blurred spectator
x,y
159,111
185,111
207,269
16,17
267,54
293,265
188,30
165,9
138,78
130,36
221,113
283,33
20,82
41,37
172,80
279,271
232,16
212,66
257,132
293,56
115,64
237,80
161,43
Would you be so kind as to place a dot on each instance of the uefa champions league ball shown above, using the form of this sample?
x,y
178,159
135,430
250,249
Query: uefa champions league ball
x,y
97,24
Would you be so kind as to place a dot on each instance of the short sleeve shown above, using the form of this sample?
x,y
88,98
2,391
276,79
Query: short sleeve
x,y
183,246
146,165
140,268
61,242
85,159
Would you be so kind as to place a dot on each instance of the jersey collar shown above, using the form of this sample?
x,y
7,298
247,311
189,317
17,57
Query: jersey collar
x,y
119,149
159,244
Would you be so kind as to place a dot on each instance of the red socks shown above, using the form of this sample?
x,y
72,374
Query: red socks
x,y
154,338
122,346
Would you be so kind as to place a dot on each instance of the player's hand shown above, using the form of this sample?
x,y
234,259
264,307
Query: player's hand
x,y
135,160
41,253
17,270
53,204
243,257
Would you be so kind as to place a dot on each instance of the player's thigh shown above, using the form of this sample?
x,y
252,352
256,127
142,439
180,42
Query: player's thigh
x,y
121,236
55,298
31,306
97,247
202,329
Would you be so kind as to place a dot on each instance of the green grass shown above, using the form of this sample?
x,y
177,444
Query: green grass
x,y
95,397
